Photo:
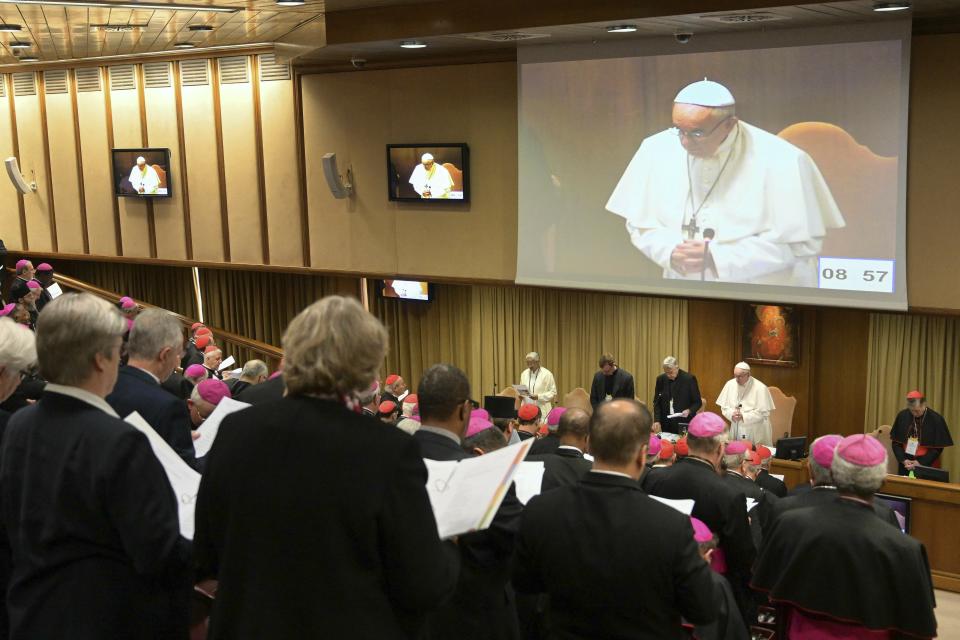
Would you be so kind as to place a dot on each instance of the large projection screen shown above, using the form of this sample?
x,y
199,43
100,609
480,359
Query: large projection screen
x,y
796,193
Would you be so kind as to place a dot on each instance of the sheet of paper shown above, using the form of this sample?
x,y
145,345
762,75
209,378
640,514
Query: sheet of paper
x,y
226,363
773,451
54,290
465,495
522,389
211,426
528,480
588,457
751,503
184,480
683,506
679,414
403,395
777,476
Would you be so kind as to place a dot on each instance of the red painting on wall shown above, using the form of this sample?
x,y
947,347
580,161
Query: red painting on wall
x,y
771,335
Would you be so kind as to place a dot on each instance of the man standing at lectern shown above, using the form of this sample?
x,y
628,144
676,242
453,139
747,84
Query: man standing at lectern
x,y
676,392
746,403
919,435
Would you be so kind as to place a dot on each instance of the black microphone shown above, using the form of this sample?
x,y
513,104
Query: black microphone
x,y
708,235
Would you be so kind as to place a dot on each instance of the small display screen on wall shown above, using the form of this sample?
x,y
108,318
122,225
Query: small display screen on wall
x,y
142,173
428,172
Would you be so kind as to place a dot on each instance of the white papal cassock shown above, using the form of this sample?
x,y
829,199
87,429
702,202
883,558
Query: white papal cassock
x,y
770,208
755,404
542,385
147,178
437,180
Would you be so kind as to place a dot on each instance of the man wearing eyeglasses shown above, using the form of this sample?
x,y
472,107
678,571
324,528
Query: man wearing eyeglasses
x,y
714,198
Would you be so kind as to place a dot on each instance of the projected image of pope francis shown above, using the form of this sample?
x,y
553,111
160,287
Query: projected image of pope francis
x,y
144,178
760,201
431,180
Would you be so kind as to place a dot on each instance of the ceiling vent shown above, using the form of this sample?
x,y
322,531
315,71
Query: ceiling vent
x,y
505,36
117,28
743,18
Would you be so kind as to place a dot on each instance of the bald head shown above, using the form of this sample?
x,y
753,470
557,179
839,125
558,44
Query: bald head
x,y
618,429
574,428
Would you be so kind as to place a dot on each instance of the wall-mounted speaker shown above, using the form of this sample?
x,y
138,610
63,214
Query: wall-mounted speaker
x,y
13,170
339,187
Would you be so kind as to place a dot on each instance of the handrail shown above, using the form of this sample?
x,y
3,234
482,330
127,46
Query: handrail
x,y
242,341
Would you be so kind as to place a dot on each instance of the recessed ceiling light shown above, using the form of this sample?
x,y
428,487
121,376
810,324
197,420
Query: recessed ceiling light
x,y
10,27
28,58
200,27
184,45
126,5
891,6
413,44
622,28
19,44
290,3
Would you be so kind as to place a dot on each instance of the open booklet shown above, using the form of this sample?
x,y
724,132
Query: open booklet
x,y
466,494
184,480
211,426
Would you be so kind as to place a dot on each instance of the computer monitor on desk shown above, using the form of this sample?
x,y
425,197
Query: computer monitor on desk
x,y
931,473
791,448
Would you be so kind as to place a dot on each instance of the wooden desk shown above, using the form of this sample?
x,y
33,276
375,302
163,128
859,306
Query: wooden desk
x,y
794,472
934,521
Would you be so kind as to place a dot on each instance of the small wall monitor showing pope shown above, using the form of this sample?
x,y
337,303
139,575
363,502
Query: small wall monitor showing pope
x,y
764,166
428,172
142,173
406,290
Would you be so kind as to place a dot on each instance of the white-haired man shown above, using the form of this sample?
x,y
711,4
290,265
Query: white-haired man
x,y
18,352
541,387
431,180
254,372
89,512
835,573
144,178
676,398
761,200
746,403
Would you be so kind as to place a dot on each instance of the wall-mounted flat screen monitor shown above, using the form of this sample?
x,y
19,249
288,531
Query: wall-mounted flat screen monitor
x,y
406,290
428,172
142,173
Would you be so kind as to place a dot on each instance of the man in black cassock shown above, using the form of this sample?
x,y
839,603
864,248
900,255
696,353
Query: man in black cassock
x,y
611,382
919,435
767,482
833,572
676,391
566,465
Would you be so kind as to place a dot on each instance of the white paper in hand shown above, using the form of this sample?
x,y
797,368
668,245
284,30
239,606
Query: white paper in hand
x,y
226,363
751,503
55,291
683,506
211,426
528,480
466,494
184,480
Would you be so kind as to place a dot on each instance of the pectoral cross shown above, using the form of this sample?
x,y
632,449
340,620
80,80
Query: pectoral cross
x,y
691,228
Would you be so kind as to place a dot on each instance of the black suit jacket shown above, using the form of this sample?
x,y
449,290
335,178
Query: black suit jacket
x,y
178,386
317,524
562,468
168,415
685,393
546,444
92,522
191,355
767,482
612,586
820,496
719,504
267,391
482,606
622,386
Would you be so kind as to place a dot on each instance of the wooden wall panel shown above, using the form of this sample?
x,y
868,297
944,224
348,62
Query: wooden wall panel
x,y
279,157
125,104
32,163
9,207
63,167
240,170
201,151
97,172
840,372
168,212
713,335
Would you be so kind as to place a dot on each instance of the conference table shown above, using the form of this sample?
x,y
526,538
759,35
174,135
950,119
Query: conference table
x,y
934,516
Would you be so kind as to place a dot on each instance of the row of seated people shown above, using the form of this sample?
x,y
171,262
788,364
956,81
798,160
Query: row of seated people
x,y
313,517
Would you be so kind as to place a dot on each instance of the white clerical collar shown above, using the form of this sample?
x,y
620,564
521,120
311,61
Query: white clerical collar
x,y
610,473
571,447
83,395
440,432
155,378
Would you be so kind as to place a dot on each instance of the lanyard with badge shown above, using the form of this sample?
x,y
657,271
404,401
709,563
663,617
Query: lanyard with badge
x,y
913,436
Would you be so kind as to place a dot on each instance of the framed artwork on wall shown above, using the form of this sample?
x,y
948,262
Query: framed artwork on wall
x,y
770,334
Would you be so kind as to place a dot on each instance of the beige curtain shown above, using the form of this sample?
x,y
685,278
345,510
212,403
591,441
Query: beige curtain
x,y
487,331
170,288
915,352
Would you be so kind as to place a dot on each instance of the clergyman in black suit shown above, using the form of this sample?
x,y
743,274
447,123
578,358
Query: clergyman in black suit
x,y
566,465
587,582
88,510
611,382
333,535
482,606
154,349
676,391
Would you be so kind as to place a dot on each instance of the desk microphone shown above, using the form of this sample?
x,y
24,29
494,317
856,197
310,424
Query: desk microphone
x,y
708,235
